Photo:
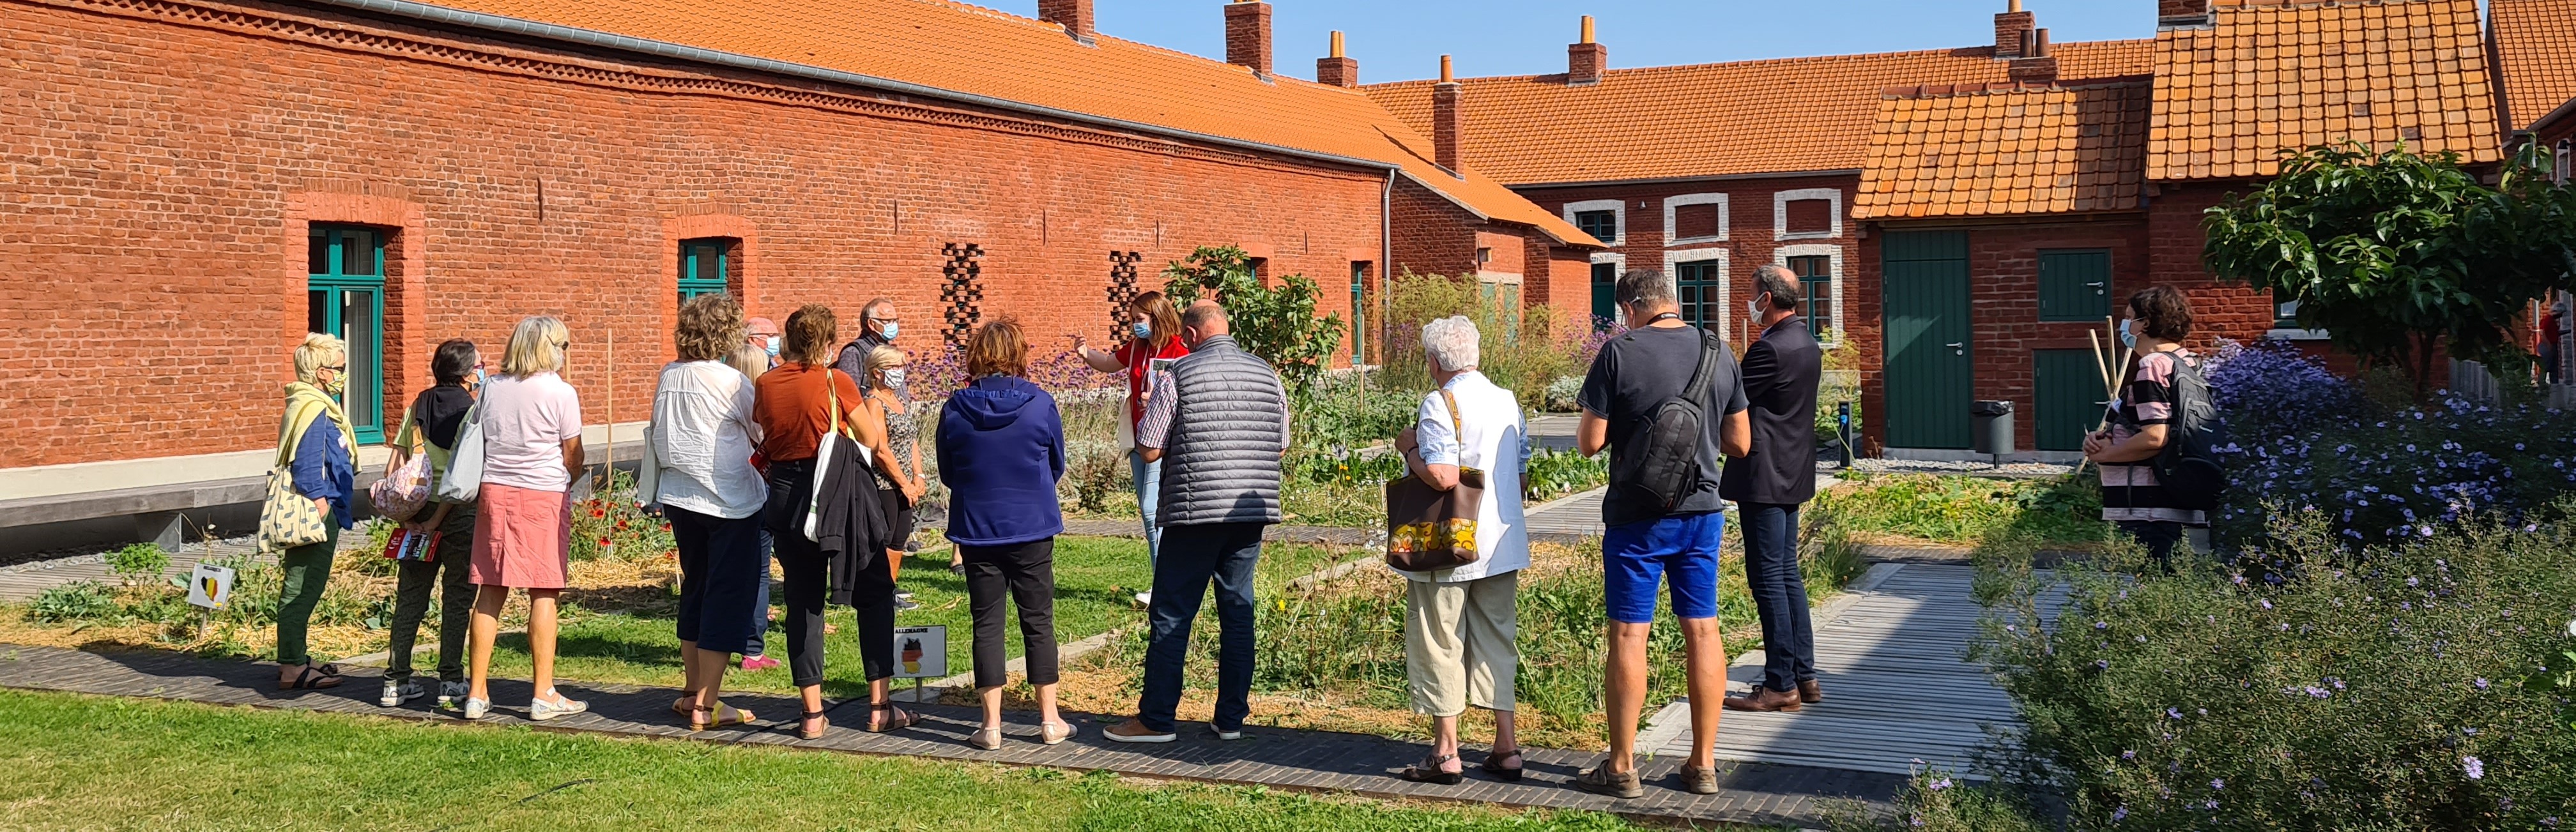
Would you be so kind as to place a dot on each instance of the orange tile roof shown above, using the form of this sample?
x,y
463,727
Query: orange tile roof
x,y
2267,77
2535,44
966,49
2007,150
1772,116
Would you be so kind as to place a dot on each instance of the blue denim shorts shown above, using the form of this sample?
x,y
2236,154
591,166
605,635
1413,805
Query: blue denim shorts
x,y
1681,549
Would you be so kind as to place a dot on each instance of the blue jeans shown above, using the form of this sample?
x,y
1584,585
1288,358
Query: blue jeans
x,y
1779,593
760,610
1149,491
1225,553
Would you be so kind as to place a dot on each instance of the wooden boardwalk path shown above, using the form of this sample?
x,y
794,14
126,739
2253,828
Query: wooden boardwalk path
x,y
1891,658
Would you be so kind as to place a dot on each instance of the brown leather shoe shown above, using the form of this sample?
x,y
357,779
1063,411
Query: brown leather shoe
x,y
1809,692
1764,698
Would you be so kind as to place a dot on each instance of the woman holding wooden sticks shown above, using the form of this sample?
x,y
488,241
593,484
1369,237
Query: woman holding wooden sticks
x,y
2141,421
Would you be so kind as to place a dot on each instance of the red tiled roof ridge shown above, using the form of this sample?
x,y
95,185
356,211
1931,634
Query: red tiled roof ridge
x,y
1952,52
1947,90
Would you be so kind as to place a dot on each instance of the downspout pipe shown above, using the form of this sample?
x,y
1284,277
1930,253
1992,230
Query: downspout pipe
x,y
1385,263
441,15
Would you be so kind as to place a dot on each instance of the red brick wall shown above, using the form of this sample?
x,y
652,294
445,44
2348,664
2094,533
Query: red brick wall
x,y
165,202
1432,235
2219,310
1559,277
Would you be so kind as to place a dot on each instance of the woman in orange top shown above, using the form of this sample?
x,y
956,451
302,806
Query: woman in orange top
x,y
793,404
1154,331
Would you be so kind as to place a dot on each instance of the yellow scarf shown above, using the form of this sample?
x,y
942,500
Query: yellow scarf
x,y
305,403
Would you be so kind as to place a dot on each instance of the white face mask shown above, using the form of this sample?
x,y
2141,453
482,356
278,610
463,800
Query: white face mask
x,y
1753,308
893,377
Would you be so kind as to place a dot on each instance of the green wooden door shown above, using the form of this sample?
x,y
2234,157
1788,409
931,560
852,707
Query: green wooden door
x,y
1928,354
2074,285
2068,389
1605,282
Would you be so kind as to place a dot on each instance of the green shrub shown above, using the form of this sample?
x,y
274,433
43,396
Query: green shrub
x,y
1937,801
1277,323
81,601
1554,474
138,562
2397,692
1519,348
610,525
1969,509
1561,395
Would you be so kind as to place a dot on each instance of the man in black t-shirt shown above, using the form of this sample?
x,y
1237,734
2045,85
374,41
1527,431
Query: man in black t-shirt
x,y
1635,374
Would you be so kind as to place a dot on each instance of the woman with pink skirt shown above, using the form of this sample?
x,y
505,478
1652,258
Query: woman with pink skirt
x,y
531,425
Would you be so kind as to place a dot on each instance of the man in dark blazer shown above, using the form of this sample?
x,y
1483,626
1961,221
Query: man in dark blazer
x,y
1781,371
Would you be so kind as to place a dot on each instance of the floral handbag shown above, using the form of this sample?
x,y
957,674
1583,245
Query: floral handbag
x,y
288,519
1428,529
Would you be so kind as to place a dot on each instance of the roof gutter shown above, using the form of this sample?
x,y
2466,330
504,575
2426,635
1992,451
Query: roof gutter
x,y
442,15
1731,177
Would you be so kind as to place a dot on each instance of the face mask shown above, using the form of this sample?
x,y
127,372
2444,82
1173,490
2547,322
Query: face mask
x,y
337,385
478,376
1753,308
2128,338
773,345
891,327
1144,331
894,377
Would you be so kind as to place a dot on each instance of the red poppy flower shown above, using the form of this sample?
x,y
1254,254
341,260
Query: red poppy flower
x,y
603,541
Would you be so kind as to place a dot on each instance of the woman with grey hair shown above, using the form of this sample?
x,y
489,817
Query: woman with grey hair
x,y
1459,623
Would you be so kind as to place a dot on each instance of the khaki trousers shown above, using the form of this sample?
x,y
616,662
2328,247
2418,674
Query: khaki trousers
x,y
1459,645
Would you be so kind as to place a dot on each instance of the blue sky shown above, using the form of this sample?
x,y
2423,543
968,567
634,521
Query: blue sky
x,y
1403,39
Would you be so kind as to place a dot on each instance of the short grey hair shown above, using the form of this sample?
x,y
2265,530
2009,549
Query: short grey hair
x,y
1780,282
1450,343
1642,286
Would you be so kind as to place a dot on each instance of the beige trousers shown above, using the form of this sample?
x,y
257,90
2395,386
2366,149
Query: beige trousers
x,y
1459,645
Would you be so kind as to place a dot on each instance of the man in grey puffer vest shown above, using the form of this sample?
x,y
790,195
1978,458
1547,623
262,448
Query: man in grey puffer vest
x,y
1218,424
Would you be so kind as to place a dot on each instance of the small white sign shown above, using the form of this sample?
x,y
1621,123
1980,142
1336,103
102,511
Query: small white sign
x,y
210,586
921,652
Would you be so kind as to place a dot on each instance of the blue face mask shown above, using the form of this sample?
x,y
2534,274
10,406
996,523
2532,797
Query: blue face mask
x,y
2128,338
891,327
1144,331
773,345
478,376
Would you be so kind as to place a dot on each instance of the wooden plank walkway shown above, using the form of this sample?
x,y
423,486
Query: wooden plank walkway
x,y
1891,657
1758,794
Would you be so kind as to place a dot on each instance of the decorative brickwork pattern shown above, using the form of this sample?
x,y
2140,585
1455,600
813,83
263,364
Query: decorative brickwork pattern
x,y
961,298
1122,291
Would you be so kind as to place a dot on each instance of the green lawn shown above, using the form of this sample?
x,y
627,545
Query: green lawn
x,y
629,638
92,763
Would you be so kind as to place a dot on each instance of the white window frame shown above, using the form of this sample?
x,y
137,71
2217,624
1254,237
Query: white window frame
x,y
1780,213
1834,278
1615,206
1673,260
1672,206
2566,149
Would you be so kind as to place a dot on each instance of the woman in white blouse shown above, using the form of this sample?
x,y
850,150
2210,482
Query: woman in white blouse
x,y
1459,624
700,474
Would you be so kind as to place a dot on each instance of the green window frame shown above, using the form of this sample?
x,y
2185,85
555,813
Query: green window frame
x,y
1602,225
704,266
2074,285
1816,281
1605,288
1699,286
1359,314
344,296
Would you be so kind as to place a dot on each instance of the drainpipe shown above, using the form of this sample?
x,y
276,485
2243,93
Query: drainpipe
x,y
1385,260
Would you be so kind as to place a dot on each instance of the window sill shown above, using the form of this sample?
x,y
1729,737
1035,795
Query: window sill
x,y
1693,241
2296,334
1810,235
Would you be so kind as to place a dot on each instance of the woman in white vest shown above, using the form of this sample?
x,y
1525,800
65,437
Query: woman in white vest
x,y
1459,623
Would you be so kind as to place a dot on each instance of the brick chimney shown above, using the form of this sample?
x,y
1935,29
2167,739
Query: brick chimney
x,y
2173,13
1073,15
1585,60
1447,121
2037,65
2011,29
1337,70
1247,34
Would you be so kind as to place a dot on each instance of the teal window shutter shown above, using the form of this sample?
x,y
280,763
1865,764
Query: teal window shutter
x,y
702,266
2075,285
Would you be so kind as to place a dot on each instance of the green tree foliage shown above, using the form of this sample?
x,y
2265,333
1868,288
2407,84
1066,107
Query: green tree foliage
x,y
1277,323
2398,254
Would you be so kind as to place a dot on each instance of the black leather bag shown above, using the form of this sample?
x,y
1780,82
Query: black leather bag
x,y
1660,462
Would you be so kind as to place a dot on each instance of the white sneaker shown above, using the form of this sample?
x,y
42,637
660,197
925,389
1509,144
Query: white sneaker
x,y
400,692
451,695
476,708
1223,734
1145,598
540,710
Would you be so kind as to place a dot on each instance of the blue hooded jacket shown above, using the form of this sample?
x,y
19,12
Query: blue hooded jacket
x,y
1001,450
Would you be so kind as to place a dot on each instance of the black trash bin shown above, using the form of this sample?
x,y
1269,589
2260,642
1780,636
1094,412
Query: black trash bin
x,y
1993,431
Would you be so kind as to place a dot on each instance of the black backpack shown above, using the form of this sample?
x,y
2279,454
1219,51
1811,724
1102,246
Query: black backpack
x,y
1660,460
2188,467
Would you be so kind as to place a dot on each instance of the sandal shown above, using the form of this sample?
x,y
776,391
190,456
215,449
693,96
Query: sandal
x,y
1432,773
1494,766
719,716
313,678
822,724
884,717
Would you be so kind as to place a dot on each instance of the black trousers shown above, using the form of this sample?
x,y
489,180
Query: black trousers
x,y
1025,571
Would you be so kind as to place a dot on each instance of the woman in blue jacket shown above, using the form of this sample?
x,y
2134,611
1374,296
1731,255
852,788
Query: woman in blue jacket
x,y
1001,450
318,429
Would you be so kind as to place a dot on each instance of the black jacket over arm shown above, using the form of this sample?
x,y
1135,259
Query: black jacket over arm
x,y
1781,371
